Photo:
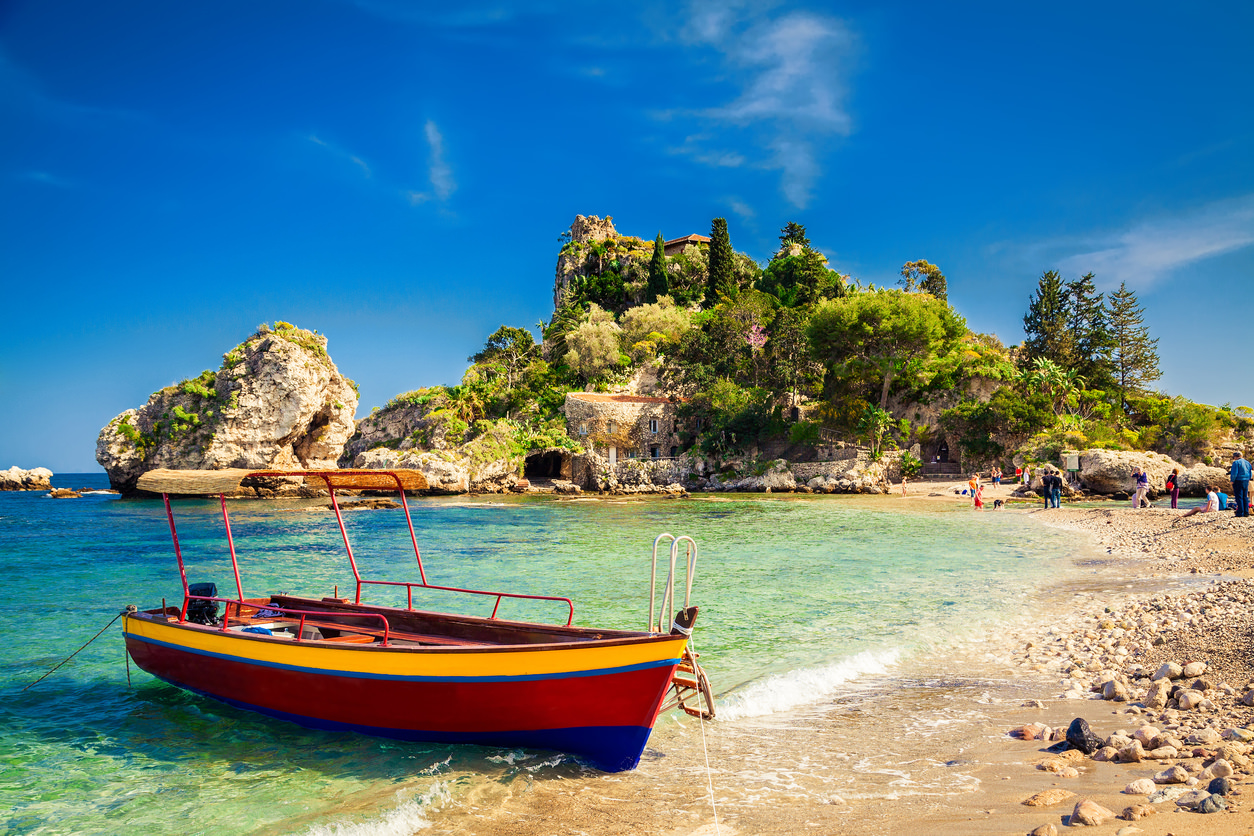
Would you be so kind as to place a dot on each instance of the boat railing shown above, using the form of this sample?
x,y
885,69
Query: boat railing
x,y
668,588
272,608
409,595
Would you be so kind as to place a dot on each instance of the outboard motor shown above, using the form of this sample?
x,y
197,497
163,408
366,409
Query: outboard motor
x,y
202,612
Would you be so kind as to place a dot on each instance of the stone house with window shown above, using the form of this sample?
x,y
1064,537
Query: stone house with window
x,y
618,427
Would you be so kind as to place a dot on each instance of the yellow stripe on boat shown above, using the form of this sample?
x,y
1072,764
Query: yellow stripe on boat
x,y
404,661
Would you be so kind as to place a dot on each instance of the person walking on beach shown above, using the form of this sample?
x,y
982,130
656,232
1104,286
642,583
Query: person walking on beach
x,y
1173,486
1053,489
1142,487
1019,474
979,496
1240,475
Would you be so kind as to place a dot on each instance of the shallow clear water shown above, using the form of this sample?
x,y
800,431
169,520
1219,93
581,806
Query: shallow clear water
x,y
804,601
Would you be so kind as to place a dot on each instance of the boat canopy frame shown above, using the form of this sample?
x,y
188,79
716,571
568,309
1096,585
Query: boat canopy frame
x,y
221,482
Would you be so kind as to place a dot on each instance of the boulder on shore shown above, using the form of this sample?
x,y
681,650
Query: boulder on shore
x,y
278,401
1110,472
17,479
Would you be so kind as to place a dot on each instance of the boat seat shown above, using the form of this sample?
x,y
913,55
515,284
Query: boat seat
x,y
350,638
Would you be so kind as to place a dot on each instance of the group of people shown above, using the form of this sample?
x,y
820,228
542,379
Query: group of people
x,y
1051,489
1216,500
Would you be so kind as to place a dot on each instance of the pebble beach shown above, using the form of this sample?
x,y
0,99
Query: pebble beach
x,y
1162,674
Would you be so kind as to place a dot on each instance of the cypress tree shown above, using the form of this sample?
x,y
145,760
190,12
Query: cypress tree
x,y
659,283
721,279
1089,325
1045,323
1135,355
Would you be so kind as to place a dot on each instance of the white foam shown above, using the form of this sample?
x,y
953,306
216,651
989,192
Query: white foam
x,y
407,817
783,692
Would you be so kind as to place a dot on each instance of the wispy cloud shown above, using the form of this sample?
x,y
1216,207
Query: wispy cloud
x,y
340,152
46,179
744,210
1152,250
791,71
439,173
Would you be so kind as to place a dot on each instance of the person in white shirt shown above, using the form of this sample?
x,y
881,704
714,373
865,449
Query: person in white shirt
x,y
1212,504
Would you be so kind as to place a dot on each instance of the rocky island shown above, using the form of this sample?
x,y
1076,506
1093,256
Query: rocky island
x,y
277,401
17,479
680,365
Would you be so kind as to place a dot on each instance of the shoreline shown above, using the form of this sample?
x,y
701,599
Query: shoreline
x,y
1150,576
1126,635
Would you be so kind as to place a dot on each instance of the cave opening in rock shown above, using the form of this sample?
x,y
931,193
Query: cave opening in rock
x,y
547,464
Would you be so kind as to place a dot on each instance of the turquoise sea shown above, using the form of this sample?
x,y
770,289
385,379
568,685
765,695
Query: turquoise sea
x,y
810,605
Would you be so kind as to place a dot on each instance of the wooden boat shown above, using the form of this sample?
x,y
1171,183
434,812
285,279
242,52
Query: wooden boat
x,y
399,672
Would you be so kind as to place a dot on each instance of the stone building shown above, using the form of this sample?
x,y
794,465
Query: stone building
x,y
622,426
676,245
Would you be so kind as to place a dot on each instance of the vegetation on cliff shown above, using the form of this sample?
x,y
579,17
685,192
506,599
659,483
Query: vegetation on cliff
x,y
794,350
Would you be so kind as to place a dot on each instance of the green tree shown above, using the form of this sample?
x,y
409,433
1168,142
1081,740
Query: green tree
x,y
659,282
890,333
872,427
1089,328
791,365
793,233
1134,356
593,347
798,274
925,276
511,348
721,281
1045,323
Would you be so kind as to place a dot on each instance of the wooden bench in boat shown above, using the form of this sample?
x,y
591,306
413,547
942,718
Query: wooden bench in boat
x,y
350,634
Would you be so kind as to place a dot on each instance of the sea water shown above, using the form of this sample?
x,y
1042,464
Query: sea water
x,y
811,606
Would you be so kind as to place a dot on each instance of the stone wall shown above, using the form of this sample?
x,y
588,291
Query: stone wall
x,y
592,471
621,421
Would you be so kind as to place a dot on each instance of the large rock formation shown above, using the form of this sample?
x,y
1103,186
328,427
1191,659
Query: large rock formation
x,y
1110,472
35,479
278,401
571,259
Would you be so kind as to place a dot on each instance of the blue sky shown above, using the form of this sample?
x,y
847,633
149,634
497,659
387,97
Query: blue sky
x,y
396,175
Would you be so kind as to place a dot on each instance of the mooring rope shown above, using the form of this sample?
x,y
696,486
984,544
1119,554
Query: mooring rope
x,y
76,652
709,774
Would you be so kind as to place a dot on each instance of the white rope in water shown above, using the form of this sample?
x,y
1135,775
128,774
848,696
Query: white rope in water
x,y
709,776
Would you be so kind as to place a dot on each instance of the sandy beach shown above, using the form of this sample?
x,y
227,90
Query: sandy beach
x,y
1162,590
1129,638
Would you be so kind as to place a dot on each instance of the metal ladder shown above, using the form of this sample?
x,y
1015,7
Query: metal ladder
x,y
691,687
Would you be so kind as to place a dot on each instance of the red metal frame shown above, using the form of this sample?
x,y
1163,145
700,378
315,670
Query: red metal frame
x,y
291,611
352,560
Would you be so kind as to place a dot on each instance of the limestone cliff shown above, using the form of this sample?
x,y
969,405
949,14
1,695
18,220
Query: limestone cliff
x,y
278,401
570,261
